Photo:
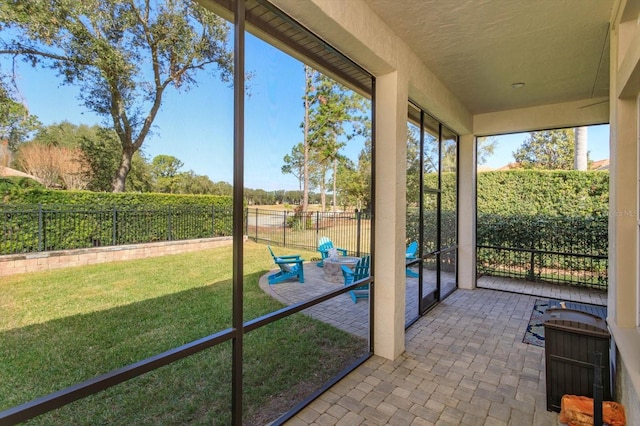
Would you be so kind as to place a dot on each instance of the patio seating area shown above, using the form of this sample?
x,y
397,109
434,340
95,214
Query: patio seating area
x,y
464,361
340,311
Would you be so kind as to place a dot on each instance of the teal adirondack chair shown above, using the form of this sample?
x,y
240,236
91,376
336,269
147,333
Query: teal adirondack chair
x,y
361,271
411,253
290,267
324,245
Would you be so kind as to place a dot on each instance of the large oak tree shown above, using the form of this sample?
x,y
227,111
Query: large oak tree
x,y
122,54
549,149
16,123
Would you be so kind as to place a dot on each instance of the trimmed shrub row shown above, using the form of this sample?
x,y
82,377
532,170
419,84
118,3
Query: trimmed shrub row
x,y
531,192
584,235
43,220
544,193
539,225
46,197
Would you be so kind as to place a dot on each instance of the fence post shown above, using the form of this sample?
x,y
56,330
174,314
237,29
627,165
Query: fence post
x,y
246,221
284,230
169,224
40,229
532,268
256,224
358,233
317,226
114,227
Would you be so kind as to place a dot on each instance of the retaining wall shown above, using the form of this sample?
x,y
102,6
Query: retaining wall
x,y
44,261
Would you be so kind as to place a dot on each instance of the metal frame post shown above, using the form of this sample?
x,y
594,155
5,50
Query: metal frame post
x,y
238,207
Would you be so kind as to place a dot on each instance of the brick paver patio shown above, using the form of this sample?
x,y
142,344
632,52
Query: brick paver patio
x,y
464,362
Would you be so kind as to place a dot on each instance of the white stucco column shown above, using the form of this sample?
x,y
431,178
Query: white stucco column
x,y
624,284
390,221
624,202
467,213
623,213
623,179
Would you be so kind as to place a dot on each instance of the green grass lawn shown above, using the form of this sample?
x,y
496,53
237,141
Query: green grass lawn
x,y
58,328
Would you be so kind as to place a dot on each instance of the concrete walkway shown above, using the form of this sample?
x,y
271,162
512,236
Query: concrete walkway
x,y
464,362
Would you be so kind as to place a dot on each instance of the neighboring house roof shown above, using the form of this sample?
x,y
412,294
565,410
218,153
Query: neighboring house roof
x,y
485,169
510,166
9,172
600,165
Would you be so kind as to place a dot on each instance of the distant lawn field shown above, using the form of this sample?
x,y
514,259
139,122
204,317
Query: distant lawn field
x,y
287,207
62,327
278,226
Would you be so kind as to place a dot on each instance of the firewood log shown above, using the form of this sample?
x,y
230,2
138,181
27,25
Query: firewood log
x,y
578,411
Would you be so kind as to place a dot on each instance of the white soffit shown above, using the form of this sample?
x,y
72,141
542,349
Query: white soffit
x,y
479,48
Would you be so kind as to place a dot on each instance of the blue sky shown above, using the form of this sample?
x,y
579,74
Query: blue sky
x,y
197,126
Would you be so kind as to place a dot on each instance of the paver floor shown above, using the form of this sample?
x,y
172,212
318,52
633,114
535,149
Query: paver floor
x,y
464,361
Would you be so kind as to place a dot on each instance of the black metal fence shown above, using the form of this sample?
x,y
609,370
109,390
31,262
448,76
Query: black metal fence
x,y
348,230
26,229
564,250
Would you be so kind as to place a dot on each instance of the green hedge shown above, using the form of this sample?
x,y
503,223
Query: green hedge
x,y
46,197
561,211
515,197
531,192
448,230
11,184
550,225
546,193
576,235
531,214
43,220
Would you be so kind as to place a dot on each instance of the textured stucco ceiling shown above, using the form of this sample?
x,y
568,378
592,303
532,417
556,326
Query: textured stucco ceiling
x,y
478,48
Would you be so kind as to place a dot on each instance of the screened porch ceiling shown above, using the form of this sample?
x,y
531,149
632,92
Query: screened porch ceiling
x,y
479,48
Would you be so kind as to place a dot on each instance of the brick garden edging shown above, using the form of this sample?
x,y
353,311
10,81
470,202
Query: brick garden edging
x,y
32,262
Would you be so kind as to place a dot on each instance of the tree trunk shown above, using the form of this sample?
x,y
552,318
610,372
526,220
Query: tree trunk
x,y
580,149
118,184
305,192
305,183
335,186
